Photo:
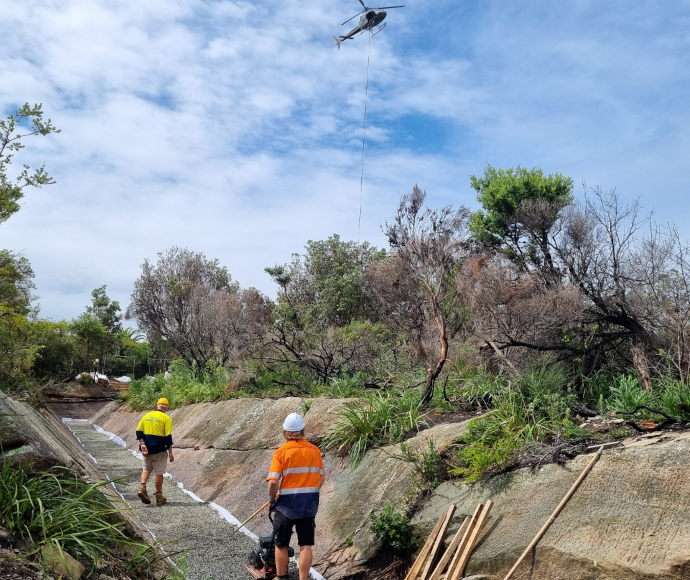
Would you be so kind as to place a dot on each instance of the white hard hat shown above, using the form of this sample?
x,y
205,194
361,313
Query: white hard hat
x,y
293,423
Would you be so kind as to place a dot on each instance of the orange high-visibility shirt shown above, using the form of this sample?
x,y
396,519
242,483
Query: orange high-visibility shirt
x,y
298,466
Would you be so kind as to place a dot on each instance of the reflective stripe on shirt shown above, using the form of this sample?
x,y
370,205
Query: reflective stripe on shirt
x,y
284,492
303,470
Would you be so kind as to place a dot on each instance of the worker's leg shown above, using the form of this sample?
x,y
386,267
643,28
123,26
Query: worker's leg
x,y
141,492
305,538
281,561
304,562
148,468
282,532
158,482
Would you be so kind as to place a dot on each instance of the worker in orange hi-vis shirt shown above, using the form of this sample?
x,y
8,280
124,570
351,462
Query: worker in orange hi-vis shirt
x,y
294,480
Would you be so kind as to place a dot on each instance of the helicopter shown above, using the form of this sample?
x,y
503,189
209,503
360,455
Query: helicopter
x,y
369,19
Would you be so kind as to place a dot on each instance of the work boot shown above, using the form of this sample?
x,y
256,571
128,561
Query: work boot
x,y
160,498
143,496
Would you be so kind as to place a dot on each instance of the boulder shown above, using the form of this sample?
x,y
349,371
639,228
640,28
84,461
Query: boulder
x,y
61,562
36,439
627,520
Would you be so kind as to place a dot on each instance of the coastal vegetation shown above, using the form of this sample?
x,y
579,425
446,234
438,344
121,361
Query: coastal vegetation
x,y
528,314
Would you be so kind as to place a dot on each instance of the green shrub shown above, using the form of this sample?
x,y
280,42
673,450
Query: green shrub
x,y
674,398
428,464
393,529
535,408
596,389
276,382
627,395
182,387
345,387
478,457
373,421
85,379
668,397
482,386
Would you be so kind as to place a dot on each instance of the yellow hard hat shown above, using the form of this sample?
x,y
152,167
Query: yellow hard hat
x,y
162,401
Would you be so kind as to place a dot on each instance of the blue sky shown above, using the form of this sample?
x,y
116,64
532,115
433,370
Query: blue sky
x,y
235,128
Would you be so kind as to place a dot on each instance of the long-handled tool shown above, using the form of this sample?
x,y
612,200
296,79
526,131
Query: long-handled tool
x,y
256,513
552,517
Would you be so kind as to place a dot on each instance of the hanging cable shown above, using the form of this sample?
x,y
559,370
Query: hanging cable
x,y
364,129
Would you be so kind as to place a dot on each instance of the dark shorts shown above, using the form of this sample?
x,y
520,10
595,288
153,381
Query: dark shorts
x,y
282,530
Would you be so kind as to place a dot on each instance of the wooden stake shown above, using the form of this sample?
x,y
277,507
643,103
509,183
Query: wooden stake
x,y
462,562
450,550
437,543
421,557
552,517
463,542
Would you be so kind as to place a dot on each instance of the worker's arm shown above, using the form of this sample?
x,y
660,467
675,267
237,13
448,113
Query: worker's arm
x,y
273,488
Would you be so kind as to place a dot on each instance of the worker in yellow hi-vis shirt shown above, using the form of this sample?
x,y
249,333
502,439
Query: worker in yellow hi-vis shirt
x,y
154,433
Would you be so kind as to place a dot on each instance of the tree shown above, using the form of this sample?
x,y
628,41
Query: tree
x,y
17,351
230,323
520,207
191,303
16,284
429,246
610,295
56,358
91,339
519,315
106,310
320,321
397,300
108,313
133,357
11,136
328,279
618,272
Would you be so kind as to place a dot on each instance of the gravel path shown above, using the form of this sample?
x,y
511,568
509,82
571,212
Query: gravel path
x,y
196,537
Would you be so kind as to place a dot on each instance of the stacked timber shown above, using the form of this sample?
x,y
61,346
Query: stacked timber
x,y
430,564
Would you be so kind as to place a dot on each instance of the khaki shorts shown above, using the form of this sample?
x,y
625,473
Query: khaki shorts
x,y
156,462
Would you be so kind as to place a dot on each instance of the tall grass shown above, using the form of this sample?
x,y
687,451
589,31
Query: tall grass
x,y
379,419
668,397
182,387
56,508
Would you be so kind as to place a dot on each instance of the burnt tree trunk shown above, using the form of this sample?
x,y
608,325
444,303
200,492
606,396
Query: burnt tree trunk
x,y
433,373
641,363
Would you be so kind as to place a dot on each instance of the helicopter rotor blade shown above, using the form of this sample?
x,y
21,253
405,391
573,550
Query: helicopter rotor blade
x,y
363,6
386,7
348,20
